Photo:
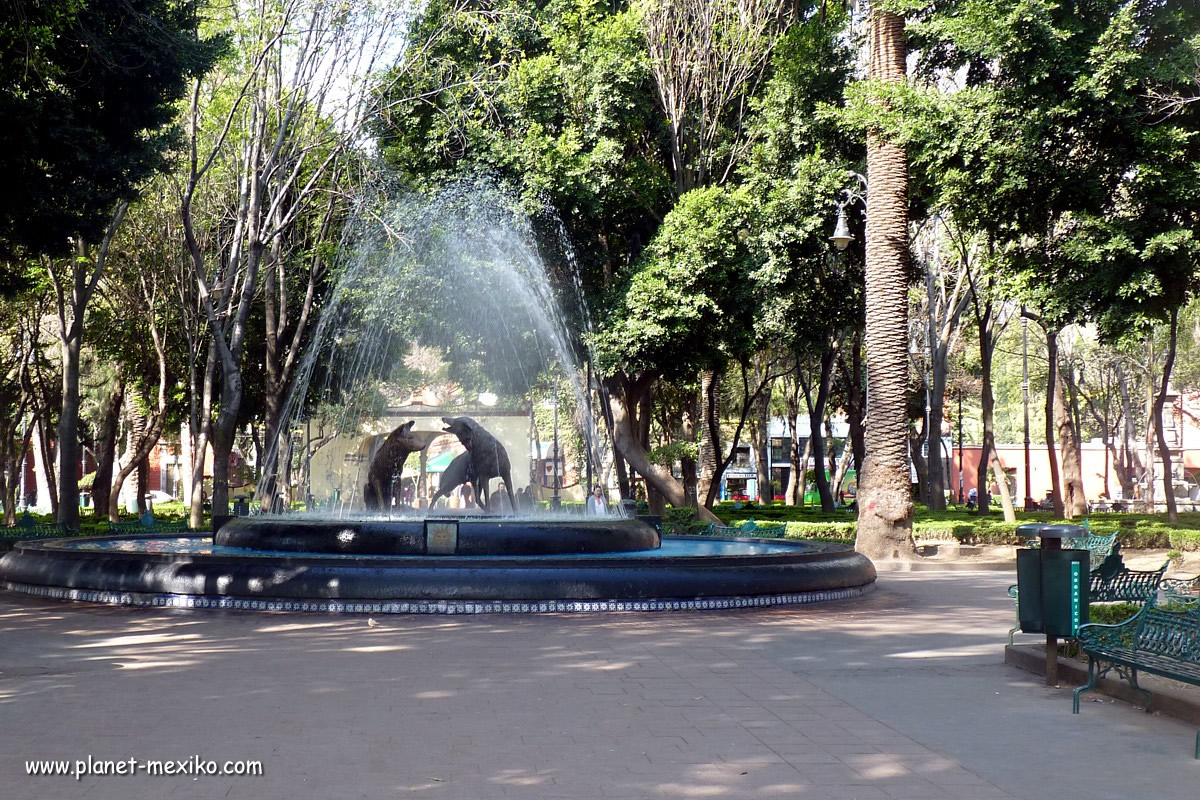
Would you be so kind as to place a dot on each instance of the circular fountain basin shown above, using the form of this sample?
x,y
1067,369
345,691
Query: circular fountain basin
x,y
192,571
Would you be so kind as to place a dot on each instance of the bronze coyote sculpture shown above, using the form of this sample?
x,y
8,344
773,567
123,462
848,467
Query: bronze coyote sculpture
x,y
489,459
388,464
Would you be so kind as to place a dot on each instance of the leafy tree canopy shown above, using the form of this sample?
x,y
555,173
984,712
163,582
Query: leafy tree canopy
x,y
87,92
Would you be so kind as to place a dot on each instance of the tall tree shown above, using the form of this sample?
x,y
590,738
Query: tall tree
x,y
95,99
885,506
947,295
269,135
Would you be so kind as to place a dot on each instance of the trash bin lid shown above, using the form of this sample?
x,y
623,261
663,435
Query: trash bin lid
x,y
1031,529
1062,531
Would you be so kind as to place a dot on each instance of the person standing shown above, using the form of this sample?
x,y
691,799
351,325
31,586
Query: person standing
x,y
596,503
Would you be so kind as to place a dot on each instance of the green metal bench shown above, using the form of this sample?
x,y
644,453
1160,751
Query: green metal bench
x,y
36,531
1126,585
1155,640
1181,590
1099,547
27,528
759,530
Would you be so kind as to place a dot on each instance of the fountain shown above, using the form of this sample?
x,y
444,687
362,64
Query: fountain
x,y
467,273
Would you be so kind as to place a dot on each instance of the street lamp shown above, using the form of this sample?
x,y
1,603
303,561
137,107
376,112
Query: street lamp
x,y
842,237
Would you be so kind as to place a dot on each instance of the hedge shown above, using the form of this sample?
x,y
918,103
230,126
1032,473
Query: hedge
x,y
1134,531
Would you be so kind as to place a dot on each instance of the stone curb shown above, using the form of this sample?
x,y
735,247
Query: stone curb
x,y
941,565
1173,699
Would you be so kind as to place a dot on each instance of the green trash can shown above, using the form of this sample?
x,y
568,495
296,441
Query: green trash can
x,y
1052,584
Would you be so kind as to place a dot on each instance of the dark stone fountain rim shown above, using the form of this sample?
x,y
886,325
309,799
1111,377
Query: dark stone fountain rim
x,y
436,535
799,551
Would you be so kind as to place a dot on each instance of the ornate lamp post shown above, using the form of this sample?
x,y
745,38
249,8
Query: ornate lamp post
x,y
842,237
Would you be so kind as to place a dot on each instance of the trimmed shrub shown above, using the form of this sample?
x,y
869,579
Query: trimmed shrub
x,y
822,531
1111,613
682,522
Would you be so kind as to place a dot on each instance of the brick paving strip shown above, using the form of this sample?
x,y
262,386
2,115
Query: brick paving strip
x,y
903,694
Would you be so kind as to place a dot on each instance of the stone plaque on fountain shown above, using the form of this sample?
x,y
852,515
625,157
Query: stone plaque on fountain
x,y
441,537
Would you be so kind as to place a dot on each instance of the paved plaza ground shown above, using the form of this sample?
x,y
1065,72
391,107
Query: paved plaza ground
x,y
903,694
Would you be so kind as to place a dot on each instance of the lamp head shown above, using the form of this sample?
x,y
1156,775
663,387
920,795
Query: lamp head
x,y
841,233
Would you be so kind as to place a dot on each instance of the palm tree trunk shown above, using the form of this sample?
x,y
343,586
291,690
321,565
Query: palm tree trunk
x,y
885,509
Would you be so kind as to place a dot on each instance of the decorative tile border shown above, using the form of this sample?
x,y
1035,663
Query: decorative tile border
x,y
430,606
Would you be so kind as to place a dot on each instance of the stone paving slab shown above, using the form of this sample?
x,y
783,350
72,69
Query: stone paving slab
x,y
902,694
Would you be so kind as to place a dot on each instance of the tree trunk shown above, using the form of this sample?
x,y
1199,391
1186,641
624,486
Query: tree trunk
x,y
135,435
1051,454
605,405
1006,502
1149,489
655,499
710,431
761,440
1074,500
627,440
201,432
68,436
791,397
13,444
987,405
144,433
855,400
687,464
1164,451
749,395
85,273
222,447
1127,468
933,438
106,448
43,466
816,424
143,484
804,469
885,509
839,475
920,467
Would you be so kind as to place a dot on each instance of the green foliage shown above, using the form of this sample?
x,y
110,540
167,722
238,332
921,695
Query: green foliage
x,y
682,522
88,93
555,100
558,102
670,454
1050,148
691,304
1135,531
1111,613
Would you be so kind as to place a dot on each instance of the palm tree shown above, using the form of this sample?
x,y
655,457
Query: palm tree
x,y
885,509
